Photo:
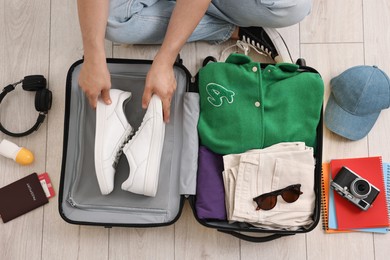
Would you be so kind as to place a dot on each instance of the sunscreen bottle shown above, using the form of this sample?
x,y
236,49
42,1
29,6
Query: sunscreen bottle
x,y
20,155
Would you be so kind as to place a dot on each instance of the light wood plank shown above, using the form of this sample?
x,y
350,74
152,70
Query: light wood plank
x,y
194,241
145,52
330,60
377,52
379,144
63,240
291,36
333,21
93,242
23,48
292,247
142,243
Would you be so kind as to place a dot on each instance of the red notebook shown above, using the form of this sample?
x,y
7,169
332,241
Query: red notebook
x,y
350,216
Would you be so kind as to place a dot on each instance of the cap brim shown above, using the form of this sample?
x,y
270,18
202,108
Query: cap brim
x,y
345,124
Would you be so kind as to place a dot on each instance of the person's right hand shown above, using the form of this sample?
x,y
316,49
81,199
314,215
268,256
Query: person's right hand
x,y
95,80
161,81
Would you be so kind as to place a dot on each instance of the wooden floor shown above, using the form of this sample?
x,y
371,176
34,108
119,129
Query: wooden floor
x,y
43,37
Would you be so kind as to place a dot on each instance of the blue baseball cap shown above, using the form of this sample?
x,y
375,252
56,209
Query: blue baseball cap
x,y
357,97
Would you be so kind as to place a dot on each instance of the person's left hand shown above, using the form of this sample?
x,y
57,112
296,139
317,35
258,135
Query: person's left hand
x,y
161,81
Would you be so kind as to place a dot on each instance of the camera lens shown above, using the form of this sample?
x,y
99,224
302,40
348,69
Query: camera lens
x,y
360,188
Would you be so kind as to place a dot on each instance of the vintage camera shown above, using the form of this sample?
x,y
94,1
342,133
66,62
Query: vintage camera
x,y
354,188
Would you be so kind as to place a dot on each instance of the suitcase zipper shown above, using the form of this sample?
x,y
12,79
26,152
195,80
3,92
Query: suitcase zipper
x,y
71,202
74,204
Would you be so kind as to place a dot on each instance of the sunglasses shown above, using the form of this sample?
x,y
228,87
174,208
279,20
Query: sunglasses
x,y
268,200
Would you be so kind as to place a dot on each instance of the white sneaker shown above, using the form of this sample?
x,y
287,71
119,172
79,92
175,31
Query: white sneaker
x,y
112,131
143,151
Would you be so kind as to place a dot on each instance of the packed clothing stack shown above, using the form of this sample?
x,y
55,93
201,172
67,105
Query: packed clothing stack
x,y
257,129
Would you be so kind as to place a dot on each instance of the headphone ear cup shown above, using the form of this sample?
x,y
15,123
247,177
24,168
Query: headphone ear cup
x,y
34,83
43,99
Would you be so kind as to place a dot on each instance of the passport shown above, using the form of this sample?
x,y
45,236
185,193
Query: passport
x,y
21,197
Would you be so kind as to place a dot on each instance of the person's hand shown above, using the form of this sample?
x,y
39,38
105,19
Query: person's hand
x,y
95,80
161,81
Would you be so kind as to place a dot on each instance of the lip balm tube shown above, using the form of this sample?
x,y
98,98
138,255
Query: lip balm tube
x,y
20,155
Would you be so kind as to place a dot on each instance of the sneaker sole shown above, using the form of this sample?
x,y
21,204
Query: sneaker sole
x,y
280,45
156,145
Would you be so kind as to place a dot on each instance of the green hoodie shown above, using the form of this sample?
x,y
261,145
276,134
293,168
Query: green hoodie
x,y
244,107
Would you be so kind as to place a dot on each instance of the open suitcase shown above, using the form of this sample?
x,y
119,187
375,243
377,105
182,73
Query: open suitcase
x,y
80,200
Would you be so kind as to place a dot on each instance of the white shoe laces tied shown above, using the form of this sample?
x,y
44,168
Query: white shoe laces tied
x,y
246,47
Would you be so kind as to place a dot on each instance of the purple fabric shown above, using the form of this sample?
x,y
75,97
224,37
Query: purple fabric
x,y
210,191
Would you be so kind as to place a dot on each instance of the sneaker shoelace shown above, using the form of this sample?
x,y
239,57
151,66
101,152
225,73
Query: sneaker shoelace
x,y
258,45
244,47
125,140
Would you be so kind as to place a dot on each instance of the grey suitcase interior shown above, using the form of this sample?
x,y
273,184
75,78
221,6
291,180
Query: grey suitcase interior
x,y
80,199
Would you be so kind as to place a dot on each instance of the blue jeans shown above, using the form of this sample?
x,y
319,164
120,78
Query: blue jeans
x,y
146,21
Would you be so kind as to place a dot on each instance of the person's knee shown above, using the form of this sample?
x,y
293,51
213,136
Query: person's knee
x,y
113,32
300,11
294,12
269,13
137,30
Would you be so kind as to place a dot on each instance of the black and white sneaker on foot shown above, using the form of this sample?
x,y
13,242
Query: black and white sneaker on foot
x,y
266,40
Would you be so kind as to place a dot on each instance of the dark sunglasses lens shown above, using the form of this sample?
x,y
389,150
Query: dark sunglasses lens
x,y
266,202
290,195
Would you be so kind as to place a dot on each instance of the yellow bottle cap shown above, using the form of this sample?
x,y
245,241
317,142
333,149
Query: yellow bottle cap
x,y
24,157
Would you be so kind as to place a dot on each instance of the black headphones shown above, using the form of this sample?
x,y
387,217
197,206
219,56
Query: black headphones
x,y
43,99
